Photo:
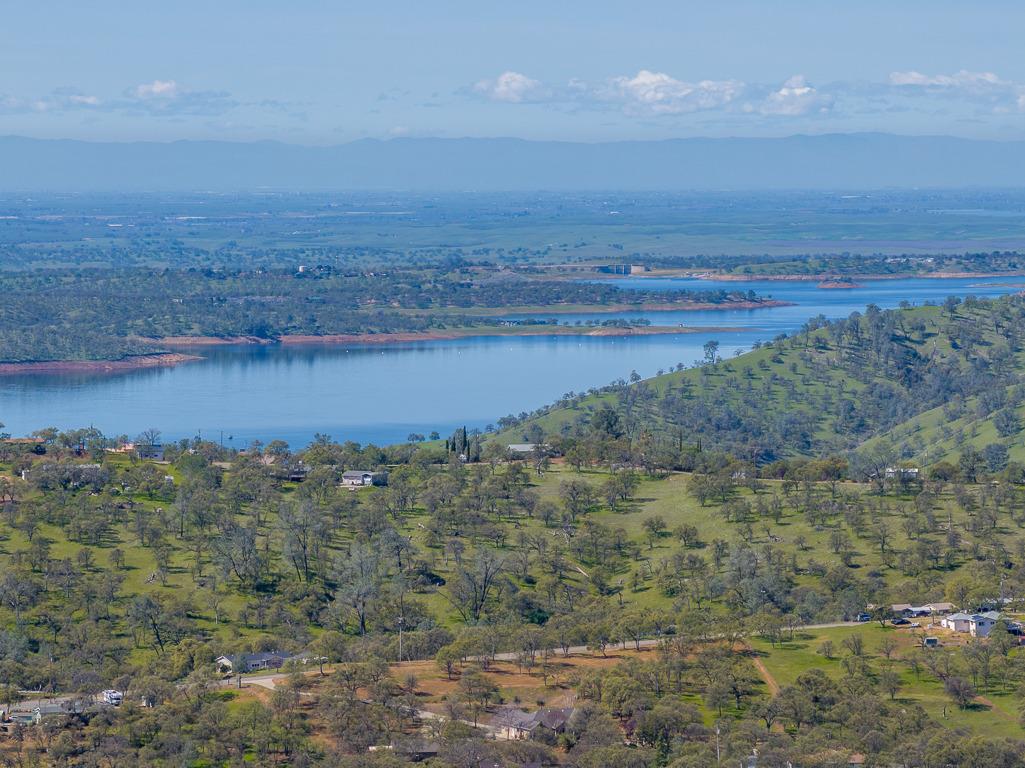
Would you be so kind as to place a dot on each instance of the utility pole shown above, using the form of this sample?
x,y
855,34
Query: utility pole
x,y
402,620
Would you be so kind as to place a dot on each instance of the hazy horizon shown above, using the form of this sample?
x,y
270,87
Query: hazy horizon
x,y
321,74
858,161
511,138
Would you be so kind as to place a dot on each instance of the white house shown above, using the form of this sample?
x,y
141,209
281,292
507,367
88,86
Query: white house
x,y
901,473
975,624
357,478
956,622
982,624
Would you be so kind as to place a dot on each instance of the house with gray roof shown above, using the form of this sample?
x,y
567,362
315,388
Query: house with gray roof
x,y
514,723
358,478
975,624
239,663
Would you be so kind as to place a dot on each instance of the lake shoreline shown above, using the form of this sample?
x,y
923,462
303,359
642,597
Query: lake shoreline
x,y
133,363
263,389
665,306
510,331
168,359
820,277
160,359
407,337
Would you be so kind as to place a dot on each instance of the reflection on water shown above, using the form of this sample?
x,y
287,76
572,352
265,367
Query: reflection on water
x,y
381,394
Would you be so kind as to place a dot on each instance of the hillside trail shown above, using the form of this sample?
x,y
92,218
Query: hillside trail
x,y
770,681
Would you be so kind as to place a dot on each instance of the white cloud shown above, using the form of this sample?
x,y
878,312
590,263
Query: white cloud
x,y
158,89
962,79
156,98
60,100
654,94
512,87
795,97
986,90
168,97
645,93
660,94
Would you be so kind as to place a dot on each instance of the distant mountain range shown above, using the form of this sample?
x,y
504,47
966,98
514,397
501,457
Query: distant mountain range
x,y
835,161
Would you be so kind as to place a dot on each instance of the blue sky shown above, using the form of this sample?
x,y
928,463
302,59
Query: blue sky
x,y
328,72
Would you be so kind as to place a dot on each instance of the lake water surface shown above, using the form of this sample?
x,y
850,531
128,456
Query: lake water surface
x,y
381,394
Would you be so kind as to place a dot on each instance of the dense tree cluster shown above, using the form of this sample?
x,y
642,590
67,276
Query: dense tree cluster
x,y
117,576
109,314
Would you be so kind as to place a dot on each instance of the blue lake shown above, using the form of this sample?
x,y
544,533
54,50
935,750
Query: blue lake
x,y
375,394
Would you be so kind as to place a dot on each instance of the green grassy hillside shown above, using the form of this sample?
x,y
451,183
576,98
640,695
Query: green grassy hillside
x,y
926,379
943,433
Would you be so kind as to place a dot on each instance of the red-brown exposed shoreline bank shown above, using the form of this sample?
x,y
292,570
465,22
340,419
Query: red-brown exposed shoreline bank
x,y
470,333
406,337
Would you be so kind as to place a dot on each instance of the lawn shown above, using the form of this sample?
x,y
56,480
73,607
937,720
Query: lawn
x,y
994,714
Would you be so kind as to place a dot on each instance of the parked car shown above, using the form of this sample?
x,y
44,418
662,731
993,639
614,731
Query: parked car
x,y
900,622
110,696
863,617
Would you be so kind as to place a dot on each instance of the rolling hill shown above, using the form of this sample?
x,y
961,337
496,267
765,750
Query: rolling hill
x,y
914,384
